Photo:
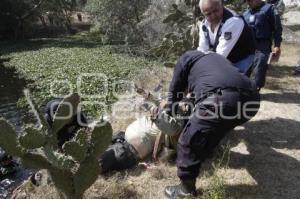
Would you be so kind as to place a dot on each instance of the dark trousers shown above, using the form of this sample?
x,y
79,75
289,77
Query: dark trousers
x,y
207,127
260,67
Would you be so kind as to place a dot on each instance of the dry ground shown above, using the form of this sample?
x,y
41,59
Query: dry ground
x,y
264,154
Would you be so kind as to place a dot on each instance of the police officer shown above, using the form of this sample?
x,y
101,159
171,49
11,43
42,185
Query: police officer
x,y
220,92
265,22
226,33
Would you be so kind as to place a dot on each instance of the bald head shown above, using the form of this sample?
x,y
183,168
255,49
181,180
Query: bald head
x,y
212,10
205,2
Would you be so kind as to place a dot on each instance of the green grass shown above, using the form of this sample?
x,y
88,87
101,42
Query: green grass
x,y
47,62
216,188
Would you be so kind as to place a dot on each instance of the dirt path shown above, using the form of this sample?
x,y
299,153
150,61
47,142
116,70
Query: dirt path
x,y
270,164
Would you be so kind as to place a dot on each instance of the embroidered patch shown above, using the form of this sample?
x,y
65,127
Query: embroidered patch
x,y
227,35
252,18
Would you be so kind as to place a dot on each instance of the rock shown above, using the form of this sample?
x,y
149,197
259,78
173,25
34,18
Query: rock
x,y
290,36
291,18
292,3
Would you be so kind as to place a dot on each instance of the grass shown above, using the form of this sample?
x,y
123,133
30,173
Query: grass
x,y
54,66
216,189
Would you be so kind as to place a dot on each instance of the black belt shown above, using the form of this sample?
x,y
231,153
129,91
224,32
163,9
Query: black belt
x,y
218,91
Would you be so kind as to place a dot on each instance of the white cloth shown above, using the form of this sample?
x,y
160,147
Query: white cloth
x,y
233,25
142,133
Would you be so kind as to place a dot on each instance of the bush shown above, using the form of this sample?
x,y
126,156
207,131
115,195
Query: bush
x,y
152,21
117,20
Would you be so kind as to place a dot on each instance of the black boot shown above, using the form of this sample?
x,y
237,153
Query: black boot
x,y
185,189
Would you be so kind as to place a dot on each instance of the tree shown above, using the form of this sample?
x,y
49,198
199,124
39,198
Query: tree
x,y
16,15
19,17
59,12
117,19
182,20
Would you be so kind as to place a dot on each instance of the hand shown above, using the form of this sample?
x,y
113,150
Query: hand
x,y
276,51
183,107
154,110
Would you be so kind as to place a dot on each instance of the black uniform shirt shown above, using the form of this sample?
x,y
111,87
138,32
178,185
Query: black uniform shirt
x,y
201,74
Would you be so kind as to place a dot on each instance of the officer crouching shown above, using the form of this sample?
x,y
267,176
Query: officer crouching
x,y
224,98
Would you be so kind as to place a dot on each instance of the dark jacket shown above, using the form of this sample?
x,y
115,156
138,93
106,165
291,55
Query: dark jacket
x,y
202,74
266,25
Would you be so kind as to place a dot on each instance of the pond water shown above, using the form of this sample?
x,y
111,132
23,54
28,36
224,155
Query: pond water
x,y
11,89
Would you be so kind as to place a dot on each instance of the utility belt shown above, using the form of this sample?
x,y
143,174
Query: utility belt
x,y
211,98
219,91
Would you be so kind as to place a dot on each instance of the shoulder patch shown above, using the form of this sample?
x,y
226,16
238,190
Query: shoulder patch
x,y
252,18
227,35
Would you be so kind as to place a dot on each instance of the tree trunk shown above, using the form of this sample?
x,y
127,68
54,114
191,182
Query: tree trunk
x,y
42,19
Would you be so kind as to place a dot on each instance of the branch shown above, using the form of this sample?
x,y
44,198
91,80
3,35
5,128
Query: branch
x,y
31,10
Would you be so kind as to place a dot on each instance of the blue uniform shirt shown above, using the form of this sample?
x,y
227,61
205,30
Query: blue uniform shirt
x,y
266,25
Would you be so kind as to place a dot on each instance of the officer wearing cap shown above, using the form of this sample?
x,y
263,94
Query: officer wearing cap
x,y
224,98
224,32
265,22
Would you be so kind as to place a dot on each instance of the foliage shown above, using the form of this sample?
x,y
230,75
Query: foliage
x,y
216,190
116,20
58,63
184,34
19,18
58,12
72,169
152,21
16,16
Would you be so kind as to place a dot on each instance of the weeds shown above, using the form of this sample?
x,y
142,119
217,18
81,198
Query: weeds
x,y
216,187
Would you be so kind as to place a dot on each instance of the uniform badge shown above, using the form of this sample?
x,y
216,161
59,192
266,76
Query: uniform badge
x,y
252,18
227,35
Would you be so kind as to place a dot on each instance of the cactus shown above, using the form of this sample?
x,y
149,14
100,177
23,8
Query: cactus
x,y
72,169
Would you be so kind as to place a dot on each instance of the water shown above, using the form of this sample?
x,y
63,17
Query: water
x,y
11,89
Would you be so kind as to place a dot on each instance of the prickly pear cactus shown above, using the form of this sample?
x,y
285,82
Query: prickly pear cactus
x,y
72,169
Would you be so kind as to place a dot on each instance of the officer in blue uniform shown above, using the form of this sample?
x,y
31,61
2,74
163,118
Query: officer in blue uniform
x,y
265,22
226,33
224,98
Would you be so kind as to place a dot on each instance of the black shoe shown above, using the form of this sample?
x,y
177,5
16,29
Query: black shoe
x,y
185,189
